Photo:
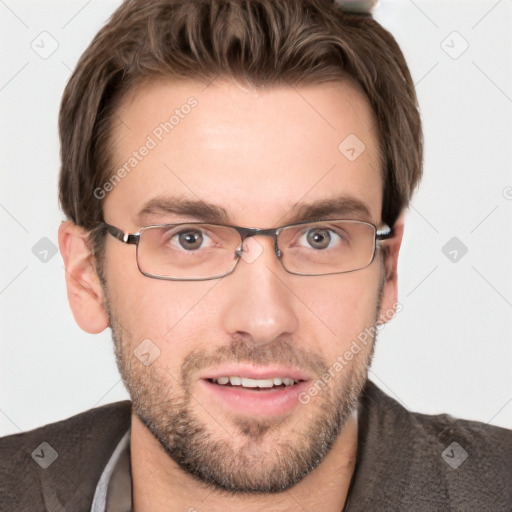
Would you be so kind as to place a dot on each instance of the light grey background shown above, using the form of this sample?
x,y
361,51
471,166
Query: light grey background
x,y
448,350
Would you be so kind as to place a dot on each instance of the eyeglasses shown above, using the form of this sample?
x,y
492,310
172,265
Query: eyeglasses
x,y
196,251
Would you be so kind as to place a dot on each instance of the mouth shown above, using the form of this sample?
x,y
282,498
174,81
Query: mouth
x,y
270,384
255,391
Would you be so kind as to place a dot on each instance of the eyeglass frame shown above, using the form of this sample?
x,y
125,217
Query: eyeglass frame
x,y
134,238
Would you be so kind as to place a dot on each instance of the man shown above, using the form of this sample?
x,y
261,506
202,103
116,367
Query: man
x,y
234,175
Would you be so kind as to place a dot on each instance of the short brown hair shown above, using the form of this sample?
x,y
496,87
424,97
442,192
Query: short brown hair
x,y
262,43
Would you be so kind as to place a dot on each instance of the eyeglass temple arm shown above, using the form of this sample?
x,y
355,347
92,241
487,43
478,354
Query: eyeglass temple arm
x,y
126,238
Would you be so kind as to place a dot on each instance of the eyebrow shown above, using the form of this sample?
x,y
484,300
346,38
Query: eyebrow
x,y
202,211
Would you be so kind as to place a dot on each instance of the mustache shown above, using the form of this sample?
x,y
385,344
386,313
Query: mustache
x,y
240,350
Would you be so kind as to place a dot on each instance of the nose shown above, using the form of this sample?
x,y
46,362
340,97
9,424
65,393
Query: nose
x,y
257,300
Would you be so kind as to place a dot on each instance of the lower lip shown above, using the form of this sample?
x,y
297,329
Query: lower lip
x,y
267,402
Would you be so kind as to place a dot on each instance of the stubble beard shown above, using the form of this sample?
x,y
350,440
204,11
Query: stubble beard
x,y
240,454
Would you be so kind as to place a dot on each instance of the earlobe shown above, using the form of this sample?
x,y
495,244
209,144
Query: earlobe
x,y
389,300
85,293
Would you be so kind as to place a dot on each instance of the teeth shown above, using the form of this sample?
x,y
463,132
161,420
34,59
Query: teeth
x,y
254,383
257,383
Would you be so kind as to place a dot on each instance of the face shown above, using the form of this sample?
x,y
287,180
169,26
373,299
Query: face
x,y
258,159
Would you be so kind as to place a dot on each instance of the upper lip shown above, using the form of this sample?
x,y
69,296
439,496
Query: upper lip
x,y
255,372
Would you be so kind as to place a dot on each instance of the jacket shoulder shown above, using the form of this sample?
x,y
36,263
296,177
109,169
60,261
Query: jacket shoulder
x,y
57,466
431,462
473,458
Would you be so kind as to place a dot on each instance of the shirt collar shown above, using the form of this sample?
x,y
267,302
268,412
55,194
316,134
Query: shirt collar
x,y
114,489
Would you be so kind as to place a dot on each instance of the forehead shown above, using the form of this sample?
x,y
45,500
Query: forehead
x,y
259,155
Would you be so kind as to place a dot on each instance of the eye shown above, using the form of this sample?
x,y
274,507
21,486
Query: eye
x,y
321,238
189,239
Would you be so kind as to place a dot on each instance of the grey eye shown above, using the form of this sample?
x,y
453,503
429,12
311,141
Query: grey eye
x,y
190,240
319,238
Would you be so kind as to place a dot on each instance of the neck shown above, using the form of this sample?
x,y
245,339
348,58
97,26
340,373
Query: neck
x,y
159,484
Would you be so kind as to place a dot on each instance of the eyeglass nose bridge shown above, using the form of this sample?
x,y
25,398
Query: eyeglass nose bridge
x,y
249,232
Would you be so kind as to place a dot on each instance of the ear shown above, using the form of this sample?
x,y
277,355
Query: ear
x,y
389,303
85,293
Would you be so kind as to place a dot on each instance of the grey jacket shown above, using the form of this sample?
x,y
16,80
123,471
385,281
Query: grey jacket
x,y
405,461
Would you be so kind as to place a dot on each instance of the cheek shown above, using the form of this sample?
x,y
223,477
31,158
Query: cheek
x,y
341,308
166,312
